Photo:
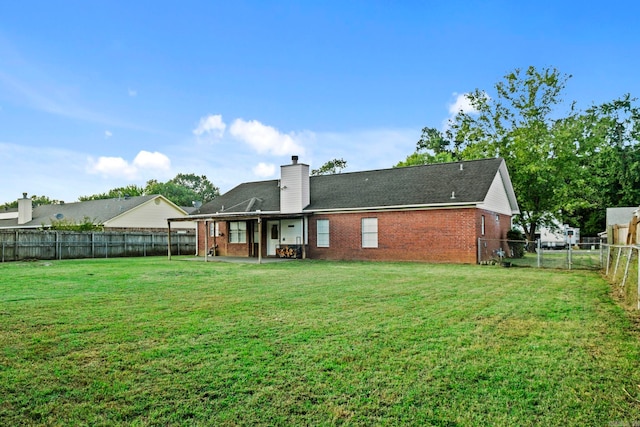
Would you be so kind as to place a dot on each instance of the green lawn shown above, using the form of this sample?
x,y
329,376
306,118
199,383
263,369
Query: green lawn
x,y
145,341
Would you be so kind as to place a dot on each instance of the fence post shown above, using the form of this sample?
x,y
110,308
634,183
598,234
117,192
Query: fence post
x,y
638,278
615,271
479,250
626,269
569,258
539,252
608,256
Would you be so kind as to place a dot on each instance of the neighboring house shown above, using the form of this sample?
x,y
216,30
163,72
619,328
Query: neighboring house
x,y
618,222
558,236
140,213
433,213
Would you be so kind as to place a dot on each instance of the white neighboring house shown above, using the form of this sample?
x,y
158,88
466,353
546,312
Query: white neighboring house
x,y
140,213
558,236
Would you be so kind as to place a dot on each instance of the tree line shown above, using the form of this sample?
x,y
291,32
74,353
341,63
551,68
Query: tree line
x,y
184,189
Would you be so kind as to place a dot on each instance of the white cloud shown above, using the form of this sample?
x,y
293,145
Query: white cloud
x,y
265,139
143,163
107,134
155,161
264,170
211,125
111,166
461,103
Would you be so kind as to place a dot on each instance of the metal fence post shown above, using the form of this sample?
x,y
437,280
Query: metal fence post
x,y
539,251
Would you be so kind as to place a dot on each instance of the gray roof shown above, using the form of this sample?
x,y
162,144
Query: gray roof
x,y
99,211
620,215
396,187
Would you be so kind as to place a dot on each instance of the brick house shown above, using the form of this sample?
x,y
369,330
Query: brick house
x,y
431,213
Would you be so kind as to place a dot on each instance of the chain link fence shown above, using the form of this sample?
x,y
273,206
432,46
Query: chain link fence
x,y
539,254
621,267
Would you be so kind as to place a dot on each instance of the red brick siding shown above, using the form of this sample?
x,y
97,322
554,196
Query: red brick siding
x,y
495,233
443,235
224,247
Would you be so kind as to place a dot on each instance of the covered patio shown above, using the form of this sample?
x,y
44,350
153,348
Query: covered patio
x,y
264,236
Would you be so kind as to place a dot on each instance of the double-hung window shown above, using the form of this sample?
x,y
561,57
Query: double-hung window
x,y
238,232
369,232
322,233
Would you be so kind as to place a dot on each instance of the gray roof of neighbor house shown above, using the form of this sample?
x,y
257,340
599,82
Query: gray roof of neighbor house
x,y
99,211
620,215
411,186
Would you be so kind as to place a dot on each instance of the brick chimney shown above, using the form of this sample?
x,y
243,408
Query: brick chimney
x,y
294,186
25,209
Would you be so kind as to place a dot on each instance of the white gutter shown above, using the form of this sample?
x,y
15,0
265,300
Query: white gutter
x,y
398,207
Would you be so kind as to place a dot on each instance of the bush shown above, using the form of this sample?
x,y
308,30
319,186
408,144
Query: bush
x,y
516,241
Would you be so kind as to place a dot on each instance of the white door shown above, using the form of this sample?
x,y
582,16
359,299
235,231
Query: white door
x,y
273,237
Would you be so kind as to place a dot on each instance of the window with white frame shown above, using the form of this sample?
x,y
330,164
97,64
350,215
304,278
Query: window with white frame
x,y
482,225
369,232
322,233
238,232
214,229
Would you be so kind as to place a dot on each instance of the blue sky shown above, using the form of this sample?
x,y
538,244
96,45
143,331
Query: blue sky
x,y
100,94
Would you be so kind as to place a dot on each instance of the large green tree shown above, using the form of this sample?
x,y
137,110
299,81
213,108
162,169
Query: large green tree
x,y
517,122
609,172
562,161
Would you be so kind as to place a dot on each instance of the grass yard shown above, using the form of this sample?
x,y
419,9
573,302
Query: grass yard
x,y
145,341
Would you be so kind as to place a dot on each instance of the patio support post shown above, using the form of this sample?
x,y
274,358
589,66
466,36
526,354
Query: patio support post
x,y
169,239
206,241
259,240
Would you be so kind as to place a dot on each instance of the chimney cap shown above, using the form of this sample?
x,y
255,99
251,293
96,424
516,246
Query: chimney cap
x,y
24,195
294,160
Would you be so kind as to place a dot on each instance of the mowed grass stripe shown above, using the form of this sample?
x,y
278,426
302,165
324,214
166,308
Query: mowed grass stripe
x,y
145,341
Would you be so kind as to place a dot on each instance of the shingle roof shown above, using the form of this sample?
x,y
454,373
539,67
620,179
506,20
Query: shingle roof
x,y
410,186
98,210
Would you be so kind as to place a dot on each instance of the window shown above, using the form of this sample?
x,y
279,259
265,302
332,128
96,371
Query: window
x,y
482,225
214,229
369,232
238,232
323,233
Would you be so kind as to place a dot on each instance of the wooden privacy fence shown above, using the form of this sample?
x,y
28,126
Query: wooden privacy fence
x,y
27,244
621,269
